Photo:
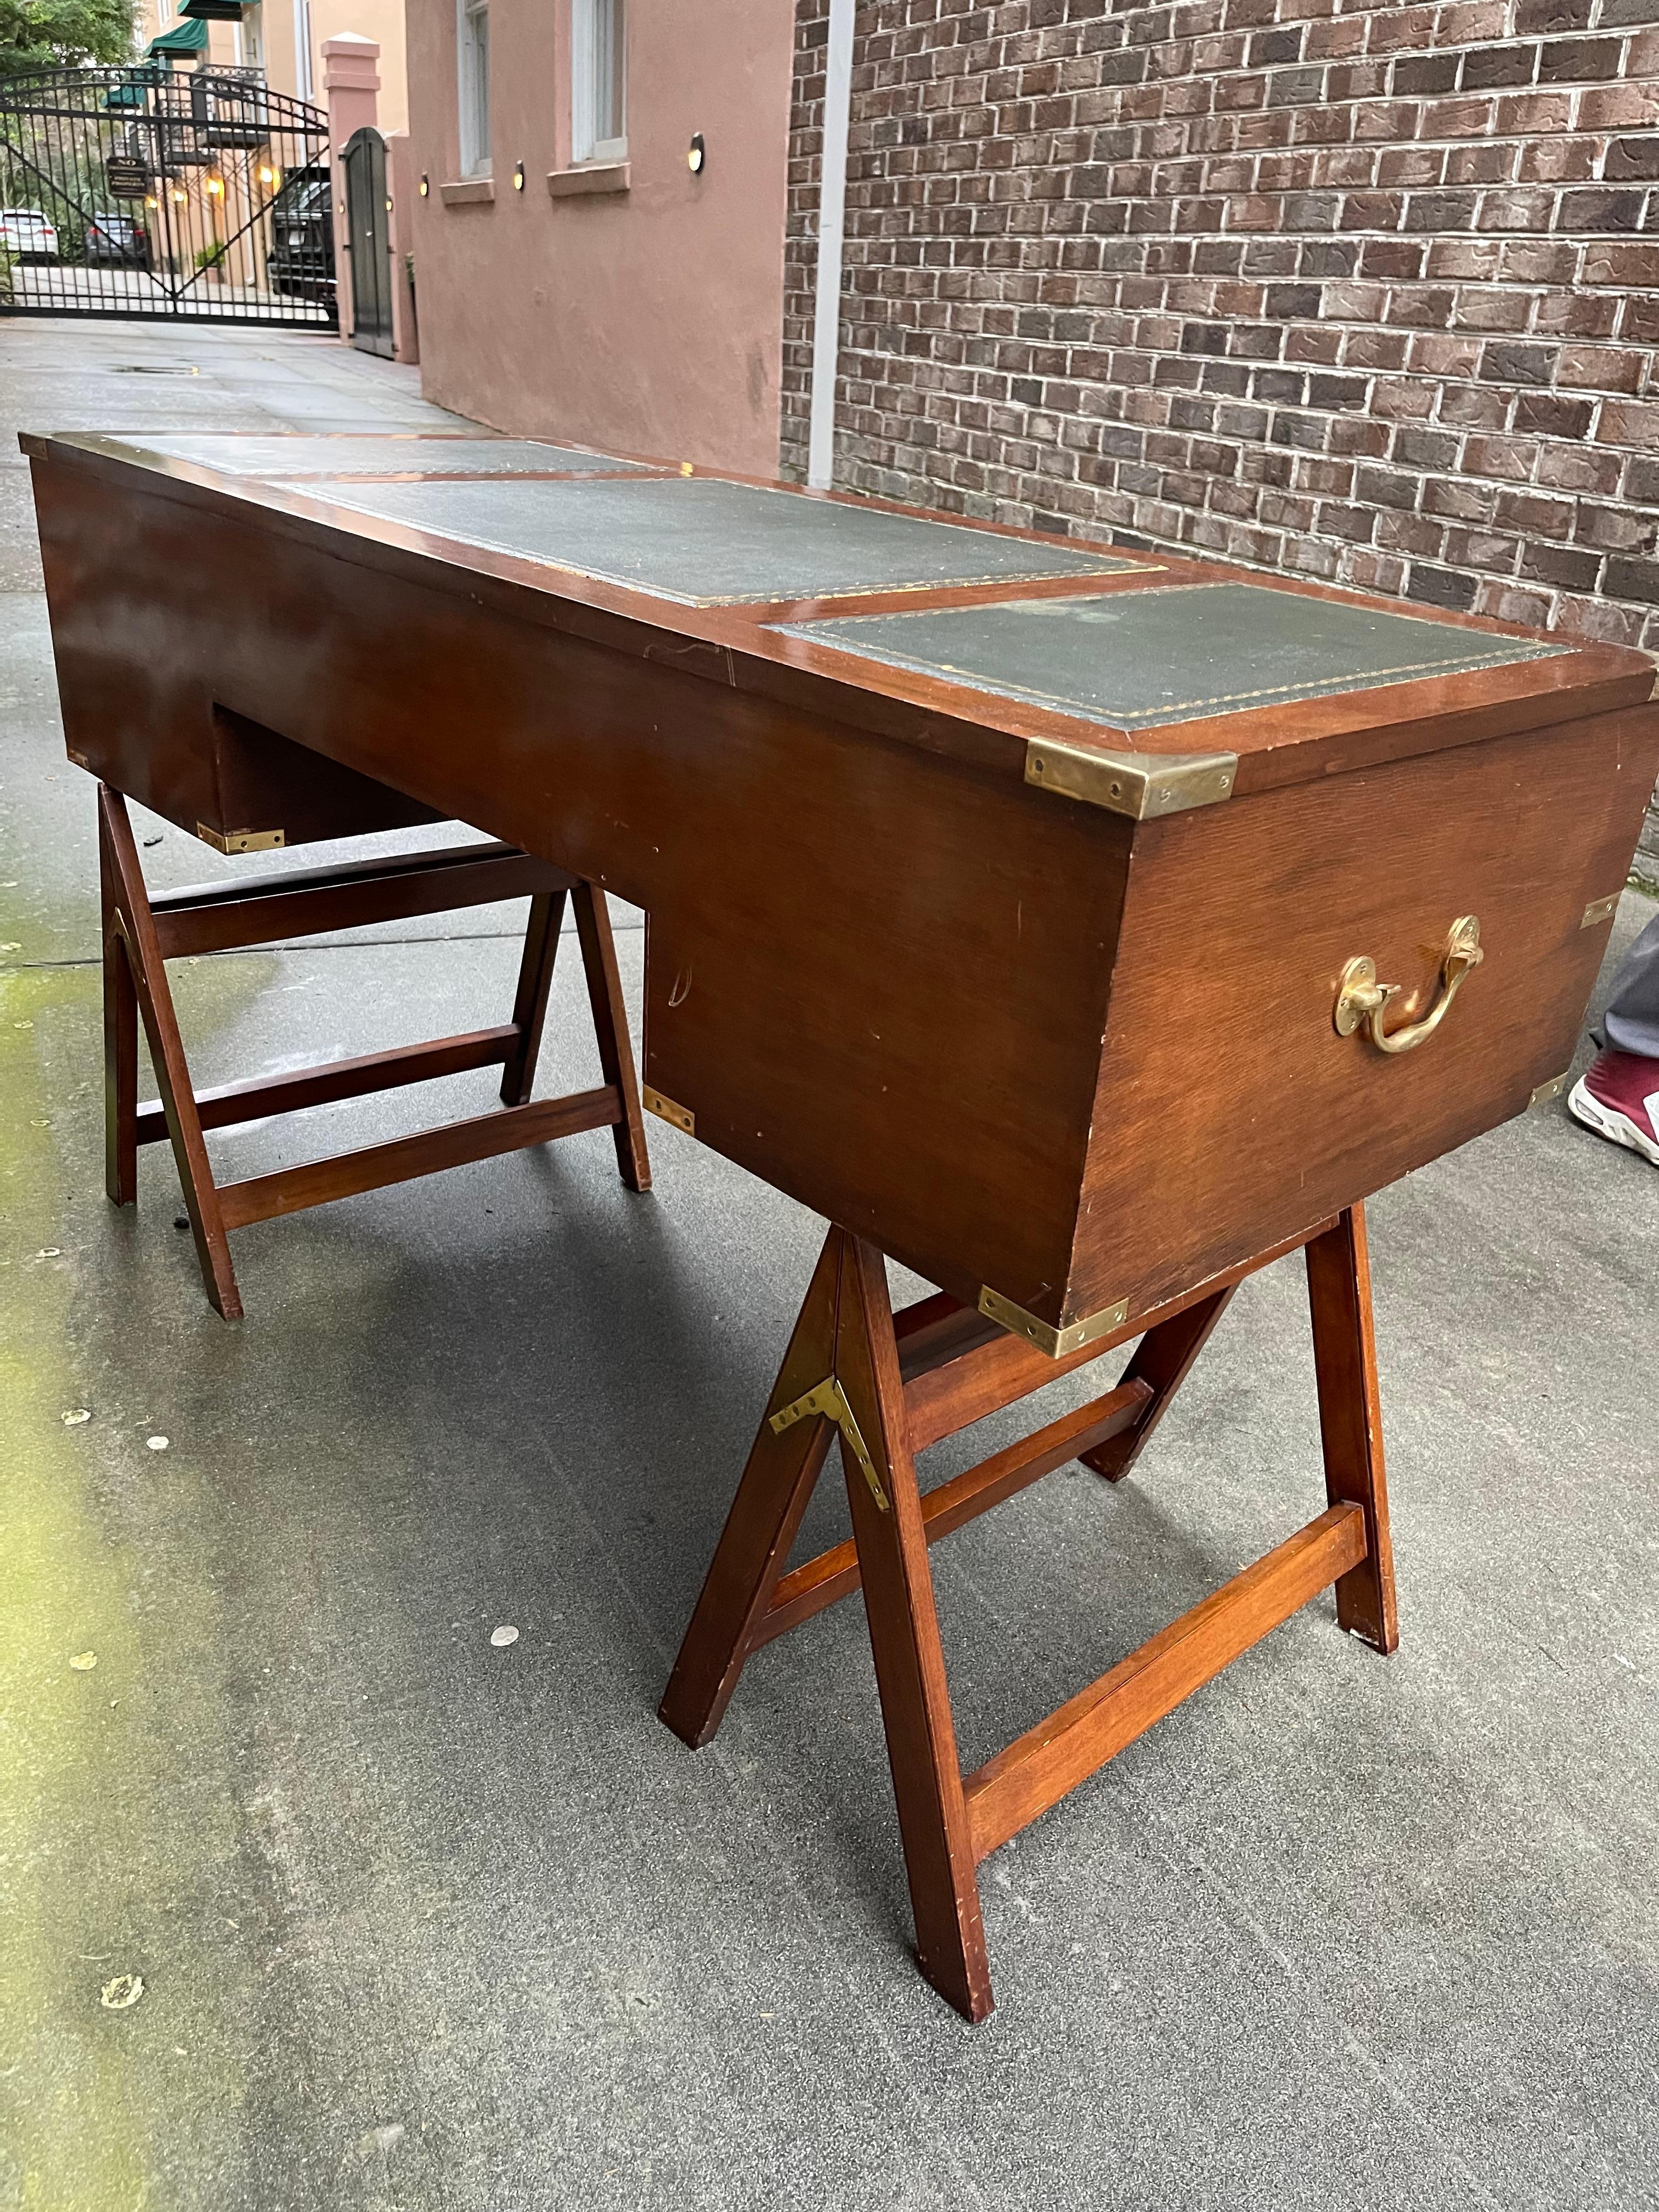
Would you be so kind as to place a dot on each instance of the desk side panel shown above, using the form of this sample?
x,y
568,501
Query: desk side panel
x,y
136,711
1230,1113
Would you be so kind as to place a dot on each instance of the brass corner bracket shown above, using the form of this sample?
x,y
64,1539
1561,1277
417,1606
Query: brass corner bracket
x,y
1552,1089
1139,785
682,1117
827,1401
1601,909
1058,1343
241,841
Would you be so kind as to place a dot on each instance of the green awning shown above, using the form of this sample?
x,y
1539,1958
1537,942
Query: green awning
x,y
213,11
187,38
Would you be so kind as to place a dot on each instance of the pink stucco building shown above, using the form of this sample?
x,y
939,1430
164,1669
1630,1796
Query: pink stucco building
x,y
599,216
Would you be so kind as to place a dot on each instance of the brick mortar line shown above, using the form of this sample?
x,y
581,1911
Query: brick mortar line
x,y
1330,103
1548,440
1587,240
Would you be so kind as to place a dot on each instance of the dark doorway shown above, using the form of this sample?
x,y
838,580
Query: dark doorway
x,y
368,234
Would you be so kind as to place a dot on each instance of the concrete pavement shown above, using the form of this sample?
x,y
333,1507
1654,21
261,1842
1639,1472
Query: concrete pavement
x,y
430,1924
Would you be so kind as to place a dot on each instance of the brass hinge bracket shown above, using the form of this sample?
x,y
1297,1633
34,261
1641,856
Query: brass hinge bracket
x,y
1058,1343
665,1111
241,841
1601,909
828,1402
1552,1089
1139,785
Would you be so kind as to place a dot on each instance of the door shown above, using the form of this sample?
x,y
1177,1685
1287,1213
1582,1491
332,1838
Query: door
x,y
368,236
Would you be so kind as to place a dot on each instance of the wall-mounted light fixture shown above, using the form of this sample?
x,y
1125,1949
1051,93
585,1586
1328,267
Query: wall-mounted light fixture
x,y
696,156
216,188
517,177
426,185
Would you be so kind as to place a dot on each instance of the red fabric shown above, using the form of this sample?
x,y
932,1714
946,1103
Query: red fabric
x,y
1625,1083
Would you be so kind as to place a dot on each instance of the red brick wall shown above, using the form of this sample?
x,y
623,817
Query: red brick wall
x,y
1367,292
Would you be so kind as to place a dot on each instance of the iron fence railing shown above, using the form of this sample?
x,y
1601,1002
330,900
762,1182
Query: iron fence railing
x,y
145,191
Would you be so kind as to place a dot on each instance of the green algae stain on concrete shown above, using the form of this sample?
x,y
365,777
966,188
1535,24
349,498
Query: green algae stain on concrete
x,y
93,1861
74,2131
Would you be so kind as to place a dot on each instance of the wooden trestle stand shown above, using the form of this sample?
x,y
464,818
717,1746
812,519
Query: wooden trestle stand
x,y
889,1385
141,934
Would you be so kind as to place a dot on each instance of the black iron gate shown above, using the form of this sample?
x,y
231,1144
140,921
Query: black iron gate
x,y
197,195
369,235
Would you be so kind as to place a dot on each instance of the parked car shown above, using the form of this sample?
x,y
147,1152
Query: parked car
x,y
118,238
300,263
26,233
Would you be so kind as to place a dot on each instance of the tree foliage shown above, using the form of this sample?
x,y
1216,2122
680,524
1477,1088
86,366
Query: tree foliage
x,y
40,34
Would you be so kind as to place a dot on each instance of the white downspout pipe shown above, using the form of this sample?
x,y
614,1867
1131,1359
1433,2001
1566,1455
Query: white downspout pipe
x,y
303,86
832,225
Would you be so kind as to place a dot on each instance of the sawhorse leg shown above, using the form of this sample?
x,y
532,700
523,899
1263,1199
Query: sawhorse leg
x,y
1350,1420
604,995
132,946
885,1385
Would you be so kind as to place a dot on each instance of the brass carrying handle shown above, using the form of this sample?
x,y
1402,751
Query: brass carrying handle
x,y
1362,1001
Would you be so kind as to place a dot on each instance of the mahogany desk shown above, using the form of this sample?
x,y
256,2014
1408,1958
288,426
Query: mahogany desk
x,y
1081,928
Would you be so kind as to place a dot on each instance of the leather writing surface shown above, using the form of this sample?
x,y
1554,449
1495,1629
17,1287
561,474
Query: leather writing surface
x,y
1169,653
707,542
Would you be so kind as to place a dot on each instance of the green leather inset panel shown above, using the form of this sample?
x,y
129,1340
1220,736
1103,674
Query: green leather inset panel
x,y
393,455
1169,653
707,542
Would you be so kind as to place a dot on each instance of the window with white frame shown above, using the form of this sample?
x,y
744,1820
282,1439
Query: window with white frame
x,y
472,79
598,80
